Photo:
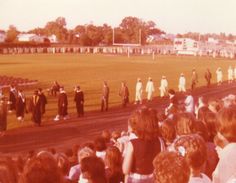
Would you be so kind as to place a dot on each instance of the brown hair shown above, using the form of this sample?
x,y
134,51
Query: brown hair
x,y
113,159
40,169
226,123
167,130
170,167
185,124
144,123
193,148
93,169
8,170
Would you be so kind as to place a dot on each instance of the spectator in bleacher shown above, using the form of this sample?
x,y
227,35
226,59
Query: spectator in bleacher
x,y
138,91
55,88
62,105
43,100
150,89
200,106
106,135
212,157
79,101
168,133
226,141
100,147
137,164
189,103
171,109
93,170
20,106
41,168
163,86
8,170
193,149
3,116
170,167
182,83
35,108
64,166
75,171
185,124
124,94
105,97
214,105
12,98
113,162
208,77
194,79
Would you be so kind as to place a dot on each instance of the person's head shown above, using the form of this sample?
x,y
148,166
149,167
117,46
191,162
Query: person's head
x,y
171,92
214,105
113,159
170,167
93,169
63,163
201,129
40,90
185,124
78,87
144,123
8,171
149,79
85,152
209,119
193,148
115,135
40,169
100,144
226,124
167,130
106,134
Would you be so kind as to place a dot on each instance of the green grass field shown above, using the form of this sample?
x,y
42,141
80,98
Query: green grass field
x,y
89,71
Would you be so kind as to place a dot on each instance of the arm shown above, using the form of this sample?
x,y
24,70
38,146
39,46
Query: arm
x,y
128,159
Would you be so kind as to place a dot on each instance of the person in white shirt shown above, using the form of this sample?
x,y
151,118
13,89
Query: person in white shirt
x,y
230,74
150,89
182,83
139,91
164,86
225,140
189,103
219,76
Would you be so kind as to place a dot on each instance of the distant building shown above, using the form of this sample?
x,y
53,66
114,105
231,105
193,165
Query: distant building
x,y
30,38
185,46
53,38
212,40
2,36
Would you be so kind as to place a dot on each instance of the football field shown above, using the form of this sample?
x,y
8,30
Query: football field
x,y
90,70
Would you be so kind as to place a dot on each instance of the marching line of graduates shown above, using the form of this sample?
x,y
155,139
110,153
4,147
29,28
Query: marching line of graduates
x,y
37,103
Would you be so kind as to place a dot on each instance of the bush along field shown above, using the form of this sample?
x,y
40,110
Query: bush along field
x,y
90,70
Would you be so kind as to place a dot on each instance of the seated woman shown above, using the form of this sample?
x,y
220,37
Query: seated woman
x,y
137,164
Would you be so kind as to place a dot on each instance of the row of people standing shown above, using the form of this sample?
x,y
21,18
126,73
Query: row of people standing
x,y
17,103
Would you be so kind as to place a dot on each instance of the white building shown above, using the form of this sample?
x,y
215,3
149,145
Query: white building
x,y
53,38
30,38
186,46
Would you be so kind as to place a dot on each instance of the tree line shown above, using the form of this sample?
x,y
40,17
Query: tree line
x,y
131,30
91,35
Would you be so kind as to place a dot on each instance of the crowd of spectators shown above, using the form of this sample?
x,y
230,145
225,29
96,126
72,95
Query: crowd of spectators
x,y
181,147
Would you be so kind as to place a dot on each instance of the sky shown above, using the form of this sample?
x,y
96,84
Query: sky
x,y
171,16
